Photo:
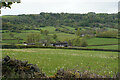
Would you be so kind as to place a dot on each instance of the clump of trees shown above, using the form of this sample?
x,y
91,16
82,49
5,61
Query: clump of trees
x,y
40,38
54,36
44,32
64,29
33,38
78,41
78,33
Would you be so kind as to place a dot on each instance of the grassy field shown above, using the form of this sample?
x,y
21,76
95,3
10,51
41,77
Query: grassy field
x,y
99,62
111,47
64,36
102,41
61,36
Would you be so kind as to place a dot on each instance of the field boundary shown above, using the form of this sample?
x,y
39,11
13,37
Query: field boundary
x,y
37,46
103,45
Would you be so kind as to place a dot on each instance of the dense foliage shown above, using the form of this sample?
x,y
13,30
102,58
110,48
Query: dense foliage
x,y
35,21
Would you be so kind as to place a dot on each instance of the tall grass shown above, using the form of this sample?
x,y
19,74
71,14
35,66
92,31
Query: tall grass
x,y
99,62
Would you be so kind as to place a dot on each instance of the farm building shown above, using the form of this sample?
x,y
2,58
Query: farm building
x,y
43,42
60,44
25,43
31,44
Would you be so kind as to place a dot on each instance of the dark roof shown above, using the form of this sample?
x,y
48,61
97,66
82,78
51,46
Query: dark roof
x,y
60,43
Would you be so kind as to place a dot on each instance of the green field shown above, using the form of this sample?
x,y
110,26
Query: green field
x,y
102,41
111,47
99,62
62,36
23,35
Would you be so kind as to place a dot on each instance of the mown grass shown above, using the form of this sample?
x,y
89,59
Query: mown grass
x,y
99,62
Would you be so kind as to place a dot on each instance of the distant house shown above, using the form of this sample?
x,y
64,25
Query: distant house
x,y
25,43
60,44
31,44
82,35
43,42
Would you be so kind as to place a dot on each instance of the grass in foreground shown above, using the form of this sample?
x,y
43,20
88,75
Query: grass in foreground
x,y
99,62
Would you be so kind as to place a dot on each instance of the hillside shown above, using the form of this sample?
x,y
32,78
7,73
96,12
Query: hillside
x,y
35,21
95,29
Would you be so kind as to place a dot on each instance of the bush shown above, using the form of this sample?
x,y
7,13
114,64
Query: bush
x,y
83,43
80,42
87,36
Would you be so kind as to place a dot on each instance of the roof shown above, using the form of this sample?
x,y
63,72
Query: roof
x,y
60,43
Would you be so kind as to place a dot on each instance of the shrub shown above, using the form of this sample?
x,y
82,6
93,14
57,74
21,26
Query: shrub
x,y
83,43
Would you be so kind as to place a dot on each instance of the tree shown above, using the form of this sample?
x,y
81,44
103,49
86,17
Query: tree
x,y
12,35
83,43
33,38
46,32
6,4
78,32
18,39
55,36
76,41
41,31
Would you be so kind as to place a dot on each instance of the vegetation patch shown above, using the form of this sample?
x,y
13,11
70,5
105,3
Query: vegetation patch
x,y
50,60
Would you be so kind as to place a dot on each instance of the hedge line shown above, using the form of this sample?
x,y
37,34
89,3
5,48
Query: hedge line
x,y
38,46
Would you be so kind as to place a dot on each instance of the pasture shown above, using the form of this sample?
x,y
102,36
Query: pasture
x,y
110,47
61,36
50,60
102,41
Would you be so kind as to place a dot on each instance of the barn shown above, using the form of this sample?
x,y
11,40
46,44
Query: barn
x,y
60,44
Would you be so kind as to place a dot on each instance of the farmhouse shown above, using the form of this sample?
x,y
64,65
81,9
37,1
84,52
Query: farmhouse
x,y
60,44
43,42
25,43
31,44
